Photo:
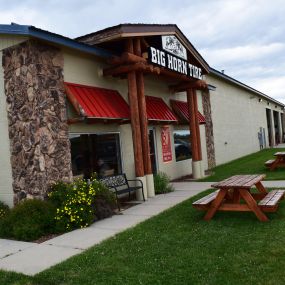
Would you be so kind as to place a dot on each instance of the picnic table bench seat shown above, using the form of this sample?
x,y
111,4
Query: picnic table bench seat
x,y
202,204
269,162
270,202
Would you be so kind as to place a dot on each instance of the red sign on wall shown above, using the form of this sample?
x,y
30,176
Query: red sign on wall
x,y
166,144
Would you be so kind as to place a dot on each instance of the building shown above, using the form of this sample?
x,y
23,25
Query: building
x,y
124,99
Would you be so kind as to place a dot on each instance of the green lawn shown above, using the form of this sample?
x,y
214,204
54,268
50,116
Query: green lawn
x,y
250,164
178,247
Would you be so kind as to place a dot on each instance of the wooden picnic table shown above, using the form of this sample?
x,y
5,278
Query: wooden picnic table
x,y
277,162
233,190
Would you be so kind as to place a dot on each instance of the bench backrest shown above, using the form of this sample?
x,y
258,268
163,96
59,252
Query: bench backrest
x,y
114,181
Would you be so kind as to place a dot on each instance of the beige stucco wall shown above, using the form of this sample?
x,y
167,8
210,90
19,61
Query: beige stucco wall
x,y
6,190
237,117
82,69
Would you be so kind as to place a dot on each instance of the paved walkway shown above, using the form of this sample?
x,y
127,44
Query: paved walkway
x,y
281,145
31,258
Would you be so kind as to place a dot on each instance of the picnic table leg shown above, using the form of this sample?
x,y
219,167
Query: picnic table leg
x,y
261,188
215,204
274,164
236,196
252,205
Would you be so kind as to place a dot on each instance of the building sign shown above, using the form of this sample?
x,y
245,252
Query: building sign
x,y
173,45
166,144
174,63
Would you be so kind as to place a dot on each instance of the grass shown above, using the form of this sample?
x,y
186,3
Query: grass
x,y
178,247
250,164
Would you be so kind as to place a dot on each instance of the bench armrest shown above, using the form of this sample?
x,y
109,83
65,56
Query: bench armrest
x,y
136,180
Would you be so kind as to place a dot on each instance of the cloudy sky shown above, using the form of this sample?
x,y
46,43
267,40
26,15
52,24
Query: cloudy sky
x,y
245,38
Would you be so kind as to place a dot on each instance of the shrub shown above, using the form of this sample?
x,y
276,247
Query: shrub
x,y
29,220
4,209
76,202
162,183
105,200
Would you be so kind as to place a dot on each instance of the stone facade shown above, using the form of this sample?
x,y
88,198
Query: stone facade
x,y
36,106
209,129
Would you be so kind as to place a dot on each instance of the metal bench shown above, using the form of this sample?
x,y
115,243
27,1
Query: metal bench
x,y
270,202
120,184
203,203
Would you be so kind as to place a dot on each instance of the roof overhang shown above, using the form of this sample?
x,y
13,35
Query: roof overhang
x,y
225,77
142,30
33,32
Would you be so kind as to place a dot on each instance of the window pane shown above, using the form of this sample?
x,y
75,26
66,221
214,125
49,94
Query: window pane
x,y
182,145
98,153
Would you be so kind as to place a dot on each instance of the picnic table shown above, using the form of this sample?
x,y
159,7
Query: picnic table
x,y
235,194
278,161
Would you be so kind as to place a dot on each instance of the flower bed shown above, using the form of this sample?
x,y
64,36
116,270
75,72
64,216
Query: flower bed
x,y
68,206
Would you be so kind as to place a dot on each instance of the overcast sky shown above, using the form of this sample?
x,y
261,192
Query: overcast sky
x,y
245,38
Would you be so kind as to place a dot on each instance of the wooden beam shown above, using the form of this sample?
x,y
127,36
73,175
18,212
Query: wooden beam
x,y
195,84
175,75
144,44
134,110
192,126
126,57
123,69
198,137
142,113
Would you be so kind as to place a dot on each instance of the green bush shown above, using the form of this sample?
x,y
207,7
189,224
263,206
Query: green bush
x,y
105,200
76,202
162,183
4,209
29,220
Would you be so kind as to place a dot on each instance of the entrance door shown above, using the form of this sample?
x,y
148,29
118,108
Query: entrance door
x,y
152,149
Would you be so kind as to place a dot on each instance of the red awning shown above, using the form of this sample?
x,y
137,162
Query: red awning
x,y
157,110
97,103
180,109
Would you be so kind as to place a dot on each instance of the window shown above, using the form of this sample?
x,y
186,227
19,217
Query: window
x,y
98,153
182,145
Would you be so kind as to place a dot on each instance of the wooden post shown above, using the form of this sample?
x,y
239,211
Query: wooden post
x,y
192,125
135,122
142,112
194,94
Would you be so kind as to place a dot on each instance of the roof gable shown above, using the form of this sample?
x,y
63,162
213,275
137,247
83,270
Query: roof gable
x,y
119,32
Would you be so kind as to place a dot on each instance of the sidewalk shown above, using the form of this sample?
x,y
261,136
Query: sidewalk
x,y
31,258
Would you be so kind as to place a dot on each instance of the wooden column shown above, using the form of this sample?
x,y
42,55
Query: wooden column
x,y
135,121
198,137
192,125
142,112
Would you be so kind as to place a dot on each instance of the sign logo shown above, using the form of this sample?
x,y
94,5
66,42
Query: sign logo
x,y
172,45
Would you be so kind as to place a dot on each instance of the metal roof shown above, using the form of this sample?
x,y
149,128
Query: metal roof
x,y
157,110
248,88
180,109
99,103
31,31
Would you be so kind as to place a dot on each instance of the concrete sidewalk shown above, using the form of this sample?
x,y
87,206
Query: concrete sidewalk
x,y
30,258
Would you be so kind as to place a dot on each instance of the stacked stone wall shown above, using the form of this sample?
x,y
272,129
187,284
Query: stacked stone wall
x,y
206,101
38,130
